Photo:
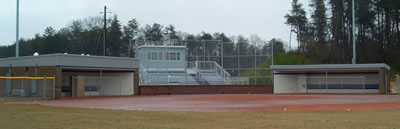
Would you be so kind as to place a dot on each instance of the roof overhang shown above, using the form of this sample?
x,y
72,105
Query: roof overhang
x,y
329,67
72,61
97,69
160,46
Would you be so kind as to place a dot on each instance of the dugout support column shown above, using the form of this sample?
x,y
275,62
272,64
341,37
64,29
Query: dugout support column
x,y
384,81
58,81
136,90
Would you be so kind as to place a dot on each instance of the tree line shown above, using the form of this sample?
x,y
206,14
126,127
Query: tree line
x,y
326,34
85,36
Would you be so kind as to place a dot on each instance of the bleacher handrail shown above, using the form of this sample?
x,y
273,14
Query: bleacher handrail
x,y
215,67
142,74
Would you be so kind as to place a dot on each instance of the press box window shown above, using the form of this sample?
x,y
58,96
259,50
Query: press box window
x,y
154,56
173,56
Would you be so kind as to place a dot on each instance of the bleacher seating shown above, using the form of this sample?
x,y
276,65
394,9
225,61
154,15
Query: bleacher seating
x,y
212,78
177,78
173,78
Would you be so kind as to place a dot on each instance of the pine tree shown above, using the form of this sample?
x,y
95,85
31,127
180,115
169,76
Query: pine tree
x,y
319,22
115,45
299,23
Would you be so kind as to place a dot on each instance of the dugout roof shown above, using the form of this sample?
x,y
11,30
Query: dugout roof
x,y
71,61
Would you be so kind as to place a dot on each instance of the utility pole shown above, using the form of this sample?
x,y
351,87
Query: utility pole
x,y
17,33
354,35
105,30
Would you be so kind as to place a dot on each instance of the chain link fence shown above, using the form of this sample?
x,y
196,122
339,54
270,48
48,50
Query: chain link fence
x,y
27,88
211,62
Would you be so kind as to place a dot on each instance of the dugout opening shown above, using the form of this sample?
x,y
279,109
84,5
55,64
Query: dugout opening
x,y
83,83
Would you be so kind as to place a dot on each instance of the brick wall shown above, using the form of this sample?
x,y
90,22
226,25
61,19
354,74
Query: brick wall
x,y
223,89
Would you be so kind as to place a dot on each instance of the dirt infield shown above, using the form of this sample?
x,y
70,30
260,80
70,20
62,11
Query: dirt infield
x,y
233,103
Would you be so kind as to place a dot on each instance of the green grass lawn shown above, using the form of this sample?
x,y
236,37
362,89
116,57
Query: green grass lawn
x,y
35,116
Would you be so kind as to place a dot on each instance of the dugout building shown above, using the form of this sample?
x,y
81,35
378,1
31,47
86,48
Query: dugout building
x,y
74,75
332,78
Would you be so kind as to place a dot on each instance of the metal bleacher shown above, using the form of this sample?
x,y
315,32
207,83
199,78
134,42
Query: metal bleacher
x,y
167,65
212,78
189,76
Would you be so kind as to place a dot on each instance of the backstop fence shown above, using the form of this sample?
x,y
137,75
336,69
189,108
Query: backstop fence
x,y
239,63
20,88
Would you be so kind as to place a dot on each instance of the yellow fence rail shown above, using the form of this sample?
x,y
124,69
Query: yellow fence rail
x,y
29,78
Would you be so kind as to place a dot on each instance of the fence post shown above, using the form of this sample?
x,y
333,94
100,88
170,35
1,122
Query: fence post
x,y
326,82
22,91
168,79
363,84
100,79
186,73
306,83
319,81
398,84
386,83
204,50
120,86
341,84
54,87
73,87
238,56
255,63
222,59
272,51
44,86
103,81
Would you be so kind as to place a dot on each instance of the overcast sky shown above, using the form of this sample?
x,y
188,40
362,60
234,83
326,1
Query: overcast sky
x,y
233,17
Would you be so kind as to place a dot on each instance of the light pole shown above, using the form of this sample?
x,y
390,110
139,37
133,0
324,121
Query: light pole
x,y
354,35
105,31
17,33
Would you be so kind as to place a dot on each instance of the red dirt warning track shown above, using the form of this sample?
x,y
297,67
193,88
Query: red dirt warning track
x,y
233,103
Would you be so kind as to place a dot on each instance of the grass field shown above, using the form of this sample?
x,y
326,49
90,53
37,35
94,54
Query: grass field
x,y
35,116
